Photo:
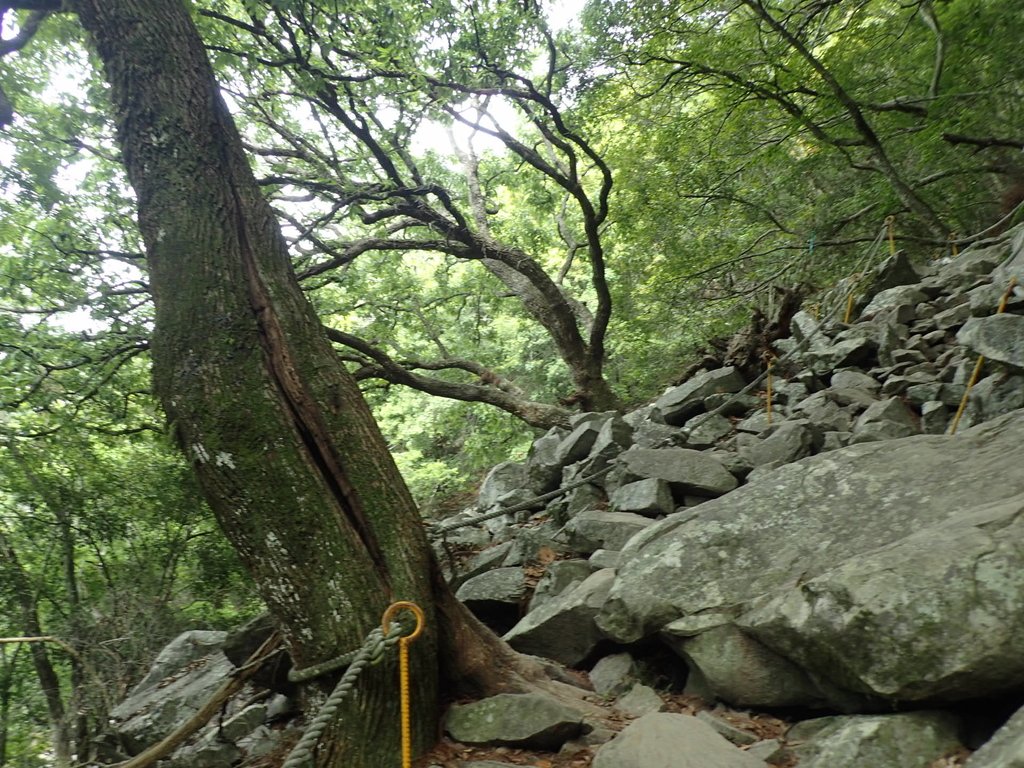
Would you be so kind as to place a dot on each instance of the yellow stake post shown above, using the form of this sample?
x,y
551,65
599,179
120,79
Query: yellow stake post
x,y
890,222
403,669
981,360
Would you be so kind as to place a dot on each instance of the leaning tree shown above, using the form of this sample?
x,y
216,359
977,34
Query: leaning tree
x,y
285,448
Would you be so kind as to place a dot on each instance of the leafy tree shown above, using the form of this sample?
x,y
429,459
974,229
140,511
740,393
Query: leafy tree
x,y
284,446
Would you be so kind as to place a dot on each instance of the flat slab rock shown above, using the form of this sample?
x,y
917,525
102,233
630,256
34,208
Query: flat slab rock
x,y
665,740
527,720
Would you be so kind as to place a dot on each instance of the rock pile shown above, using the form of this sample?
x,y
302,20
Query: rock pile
x,y
837,552
831,551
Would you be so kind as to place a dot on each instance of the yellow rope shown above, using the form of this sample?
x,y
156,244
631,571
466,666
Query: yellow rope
x,y
952,244
890,222
981,360
403,669
768,390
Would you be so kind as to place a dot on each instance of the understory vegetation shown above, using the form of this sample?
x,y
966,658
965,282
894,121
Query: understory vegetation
x,y
501,217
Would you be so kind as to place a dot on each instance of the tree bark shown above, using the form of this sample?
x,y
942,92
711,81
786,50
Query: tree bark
x,y
286,450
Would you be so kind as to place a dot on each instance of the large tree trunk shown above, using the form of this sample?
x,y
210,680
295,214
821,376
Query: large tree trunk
x,y
287,452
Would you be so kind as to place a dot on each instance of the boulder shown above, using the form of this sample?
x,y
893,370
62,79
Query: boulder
x,y
680,403
598,529
495,596
563,628
997,337
664,740
639,700
650,497
527,720
615,674
152,711
792,440
885,420
558,577
684,469
908,740
1005,749
509,476
874,567
543,469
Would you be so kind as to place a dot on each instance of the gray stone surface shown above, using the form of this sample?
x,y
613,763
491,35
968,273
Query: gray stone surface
x,y
885,420
509,476
869,517
684,469
909,740
639,700
998,337
664,740
650,497
529,720
563,628
597,529
614,675
1006,747
680,403
150,714
558,577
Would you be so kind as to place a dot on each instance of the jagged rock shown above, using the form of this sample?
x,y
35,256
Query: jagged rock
x,y
731,404
997,337
528,720
994,396
543,470
885,420
176,655
485,560
737,736
705,430
558,577
684,469
854,350
152,711
726,665
494,597
576,446
650,498
262,741
951,318
791,441
908,740
243,723
1006,747
854,379
599,529
615,674
563,627
826,599
507,477
649,434
892,299
895,270
664,740
604,558
680,403
934,417
206,754
639,700
769,750
755,423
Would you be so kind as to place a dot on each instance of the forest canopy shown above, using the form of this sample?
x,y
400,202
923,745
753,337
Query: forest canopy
x,y
499,222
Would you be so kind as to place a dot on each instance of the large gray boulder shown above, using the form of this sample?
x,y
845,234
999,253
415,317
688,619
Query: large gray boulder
x,y
1005,749
664,740
563,627
680,403
998,337
892,570
909,740
684,469
165,698
529,720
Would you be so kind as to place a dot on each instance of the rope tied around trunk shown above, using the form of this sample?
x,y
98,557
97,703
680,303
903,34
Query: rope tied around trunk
x,y
370,652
